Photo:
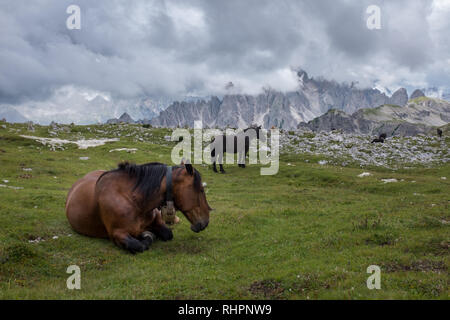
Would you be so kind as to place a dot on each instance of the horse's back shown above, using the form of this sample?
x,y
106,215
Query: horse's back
x,y
81,206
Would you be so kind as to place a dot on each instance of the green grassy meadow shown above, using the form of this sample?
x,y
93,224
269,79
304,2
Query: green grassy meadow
x,y
309,232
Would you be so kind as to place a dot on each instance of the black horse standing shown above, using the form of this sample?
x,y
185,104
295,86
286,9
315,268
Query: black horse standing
x,y
223,143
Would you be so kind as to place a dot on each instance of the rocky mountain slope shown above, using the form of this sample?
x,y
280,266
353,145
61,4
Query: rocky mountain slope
x,y
420,115
272,108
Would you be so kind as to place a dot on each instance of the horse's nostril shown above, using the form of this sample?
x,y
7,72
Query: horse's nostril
x,y
197,227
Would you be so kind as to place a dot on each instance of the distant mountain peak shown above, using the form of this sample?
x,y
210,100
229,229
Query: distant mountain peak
x,y
302,75
416,94
124,118
399,97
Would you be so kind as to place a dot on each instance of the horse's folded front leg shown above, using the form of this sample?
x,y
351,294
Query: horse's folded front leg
x,y
163,232
160,229
124,240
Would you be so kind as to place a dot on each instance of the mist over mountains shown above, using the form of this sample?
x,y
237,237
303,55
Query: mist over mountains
x,y
313,98
81,106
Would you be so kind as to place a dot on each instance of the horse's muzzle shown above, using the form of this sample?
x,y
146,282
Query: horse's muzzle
x,y
199,226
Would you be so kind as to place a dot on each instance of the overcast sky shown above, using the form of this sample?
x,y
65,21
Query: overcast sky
x,y
167,48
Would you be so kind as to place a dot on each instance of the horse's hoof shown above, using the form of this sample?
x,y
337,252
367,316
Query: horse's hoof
x,y
165,234
133,245
222,171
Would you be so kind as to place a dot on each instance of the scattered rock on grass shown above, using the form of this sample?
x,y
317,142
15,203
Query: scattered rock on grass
x,y
129,150
10,187
389,180
36,240
364,174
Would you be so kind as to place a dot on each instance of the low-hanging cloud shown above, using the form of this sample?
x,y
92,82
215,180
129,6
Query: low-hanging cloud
x,y
174,48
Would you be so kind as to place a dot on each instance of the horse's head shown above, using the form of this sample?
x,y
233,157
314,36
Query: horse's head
x,y
190,198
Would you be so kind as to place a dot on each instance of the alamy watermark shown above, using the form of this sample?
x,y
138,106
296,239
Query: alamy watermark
x,y
374,280
373,22
73,281
74,20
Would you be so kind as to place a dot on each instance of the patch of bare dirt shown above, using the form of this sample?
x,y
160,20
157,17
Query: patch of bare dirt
x,y
419,265
268,288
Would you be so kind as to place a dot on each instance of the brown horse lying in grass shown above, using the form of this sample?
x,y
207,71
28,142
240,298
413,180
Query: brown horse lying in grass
x,y
122,204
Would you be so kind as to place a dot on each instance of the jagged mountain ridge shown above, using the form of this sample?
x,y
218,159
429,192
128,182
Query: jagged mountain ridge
x,y
274,108
419,115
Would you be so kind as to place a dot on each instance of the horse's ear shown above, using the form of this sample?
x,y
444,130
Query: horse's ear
x,y
189,168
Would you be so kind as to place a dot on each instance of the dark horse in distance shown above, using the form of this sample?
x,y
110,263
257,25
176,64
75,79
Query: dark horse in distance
x,y
122,204
381,138
239,143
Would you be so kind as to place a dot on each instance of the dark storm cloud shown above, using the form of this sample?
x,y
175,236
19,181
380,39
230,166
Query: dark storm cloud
x,y
133,48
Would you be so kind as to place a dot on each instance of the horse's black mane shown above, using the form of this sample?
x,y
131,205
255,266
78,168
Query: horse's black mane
x,y
149,176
